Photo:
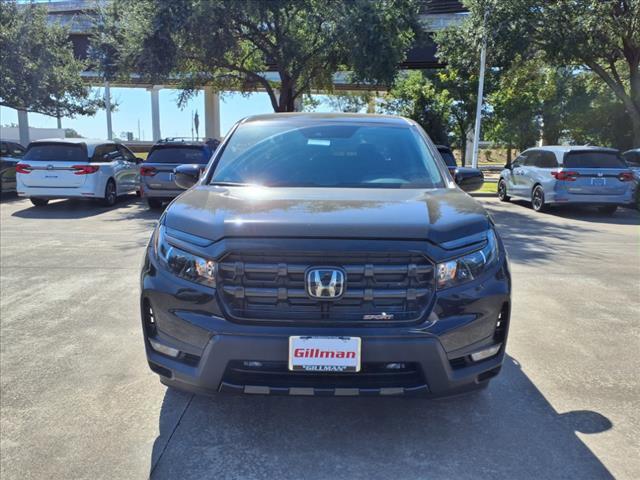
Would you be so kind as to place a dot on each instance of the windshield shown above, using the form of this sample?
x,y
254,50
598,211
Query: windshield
x,y
327,155
179,155
56,152
596,159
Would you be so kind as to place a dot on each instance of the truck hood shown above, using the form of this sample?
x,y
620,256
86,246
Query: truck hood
x,y
437,215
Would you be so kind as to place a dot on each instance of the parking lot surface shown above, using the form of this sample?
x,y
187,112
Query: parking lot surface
x,y
78,401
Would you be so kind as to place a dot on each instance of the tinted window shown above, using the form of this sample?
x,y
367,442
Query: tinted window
x,y
328,155
519,161
179,155
105,153
531,159
546,160
126,154
589,159
448,157
9,149
632,159
56,152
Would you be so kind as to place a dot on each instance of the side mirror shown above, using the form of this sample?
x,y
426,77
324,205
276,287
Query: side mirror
x,y
469,179
139,160
187,175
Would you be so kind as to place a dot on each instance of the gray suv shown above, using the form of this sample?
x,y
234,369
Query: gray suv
x,y
157,178
554,175
328,255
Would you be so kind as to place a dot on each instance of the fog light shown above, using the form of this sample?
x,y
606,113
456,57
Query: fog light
x,y
159,347
486,353
252,364
395,366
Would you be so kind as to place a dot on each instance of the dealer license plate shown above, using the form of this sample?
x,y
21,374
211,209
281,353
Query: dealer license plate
x,y
324,354
598,182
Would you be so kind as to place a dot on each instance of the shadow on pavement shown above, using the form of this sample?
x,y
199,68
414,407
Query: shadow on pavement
x,y
622,216
128,207
531,237
507,431
73,208
8,197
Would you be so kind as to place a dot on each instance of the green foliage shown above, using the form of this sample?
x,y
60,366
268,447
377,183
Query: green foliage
x,y
350,102
416,96
534,98
229,44
597,115
38,71
71,133
602,36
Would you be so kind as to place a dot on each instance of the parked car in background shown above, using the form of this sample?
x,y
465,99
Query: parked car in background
x,y
554,175
449,159
632,157
10,155
157,182
76,168
458,173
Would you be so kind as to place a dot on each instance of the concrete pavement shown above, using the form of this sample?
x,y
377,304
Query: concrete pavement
x,y
77,400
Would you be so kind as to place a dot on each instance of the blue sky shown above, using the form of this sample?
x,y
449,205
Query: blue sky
x,y
134,104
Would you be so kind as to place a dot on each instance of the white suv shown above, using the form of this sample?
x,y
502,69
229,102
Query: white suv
x,y
66,168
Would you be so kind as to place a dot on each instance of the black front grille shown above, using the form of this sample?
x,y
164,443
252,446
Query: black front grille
x,y
271,287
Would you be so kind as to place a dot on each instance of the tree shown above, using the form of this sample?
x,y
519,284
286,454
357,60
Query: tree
x,y
597,116
416,96
38,72
71,133
602,36
350,102
229,44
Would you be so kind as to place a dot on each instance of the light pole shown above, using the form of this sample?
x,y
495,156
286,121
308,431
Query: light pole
x,y
483,60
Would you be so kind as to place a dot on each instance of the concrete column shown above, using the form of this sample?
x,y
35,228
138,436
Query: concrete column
x,y
469,147
23,127
107,105
211,113
155,112
371,105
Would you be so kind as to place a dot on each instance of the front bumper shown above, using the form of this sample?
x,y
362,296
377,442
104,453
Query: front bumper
x,y
435,352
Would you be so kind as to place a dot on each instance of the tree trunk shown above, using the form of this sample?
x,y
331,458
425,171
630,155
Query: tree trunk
x,y
463,148
508,154
286,101
635,125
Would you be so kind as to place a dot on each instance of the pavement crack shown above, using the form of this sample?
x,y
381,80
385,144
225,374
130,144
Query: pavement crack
x,y
186,407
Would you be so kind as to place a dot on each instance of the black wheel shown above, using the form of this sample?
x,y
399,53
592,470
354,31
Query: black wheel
x,y
39,202
154,203
502,191
537,199
110,195
608,209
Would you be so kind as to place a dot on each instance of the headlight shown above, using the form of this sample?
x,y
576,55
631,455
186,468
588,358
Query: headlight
x,y
468,267
183,264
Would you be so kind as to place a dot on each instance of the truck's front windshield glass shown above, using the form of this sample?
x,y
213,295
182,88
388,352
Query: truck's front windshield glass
x,y
284,154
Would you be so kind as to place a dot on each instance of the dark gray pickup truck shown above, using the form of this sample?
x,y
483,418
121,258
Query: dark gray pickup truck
x,y
325,254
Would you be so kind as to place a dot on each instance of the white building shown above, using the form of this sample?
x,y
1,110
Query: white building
x,y
13,133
